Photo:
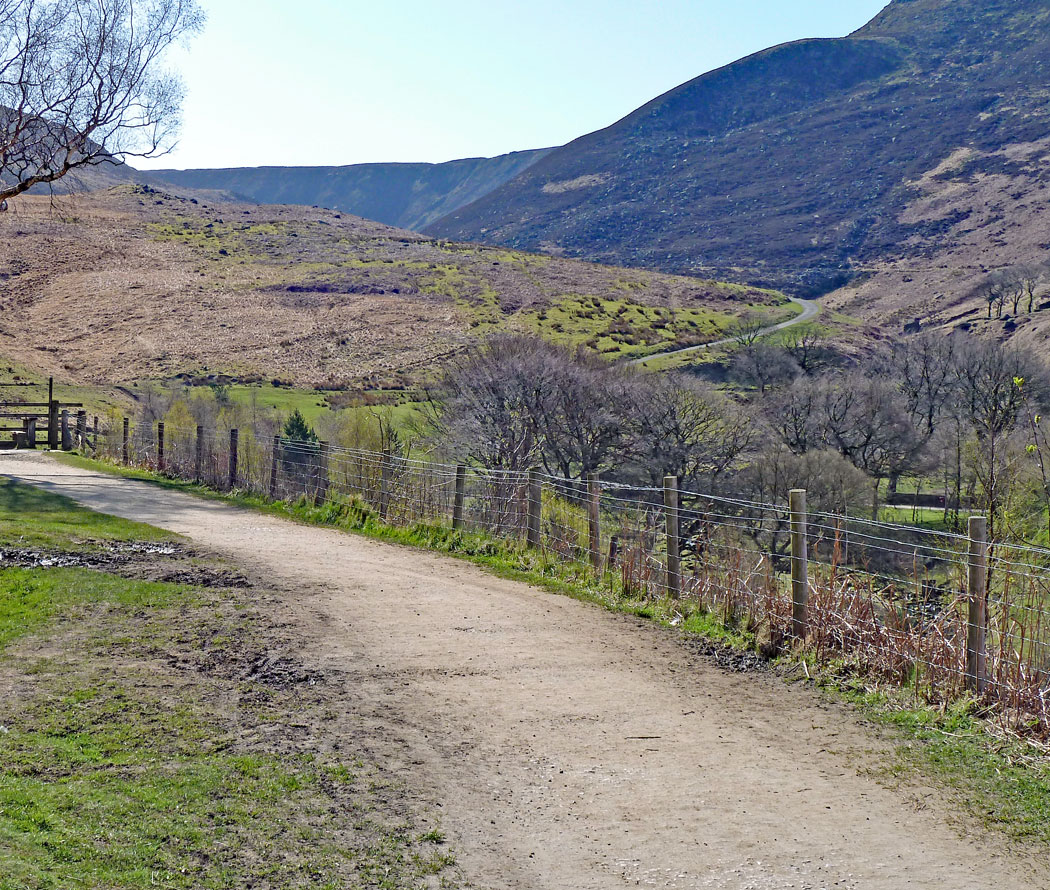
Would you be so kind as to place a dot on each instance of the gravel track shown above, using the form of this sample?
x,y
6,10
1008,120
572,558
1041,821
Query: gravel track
x,y
569,748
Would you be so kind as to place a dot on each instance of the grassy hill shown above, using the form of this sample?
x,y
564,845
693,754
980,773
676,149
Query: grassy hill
x,y
799,166
133,283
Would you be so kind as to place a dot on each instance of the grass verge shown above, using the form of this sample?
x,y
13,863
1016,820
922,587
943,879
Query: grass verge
x,y
1000,781
149,737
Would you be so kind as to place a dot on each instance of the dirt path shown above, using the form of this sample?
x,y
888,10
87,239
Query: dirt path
x,y
570,748
810,310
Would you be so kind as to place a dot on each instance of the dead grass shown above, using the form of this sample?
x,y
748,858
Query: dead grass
x,y
132,283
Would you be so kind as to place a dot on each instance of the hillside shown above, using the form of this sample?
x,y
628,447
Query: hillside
x,y
798,166
410,196
134,283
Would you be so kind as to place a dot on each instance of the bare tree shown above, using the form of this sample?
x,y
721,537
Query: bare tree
x,y
681,427
997,385
1031,277
82,83
806,345
762,365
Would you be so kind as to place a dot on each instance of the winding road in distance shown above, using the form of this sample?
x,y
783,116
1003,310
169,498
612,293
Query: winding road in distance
x,y
810,310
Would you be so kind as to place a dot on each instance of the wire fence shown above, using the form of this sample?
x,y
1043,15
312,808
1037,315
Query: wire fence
x,y
941,613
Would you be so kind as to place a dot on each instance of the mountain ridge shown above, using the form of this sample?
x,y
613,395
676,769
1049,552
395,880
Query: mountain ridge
x,y
791,167
406,195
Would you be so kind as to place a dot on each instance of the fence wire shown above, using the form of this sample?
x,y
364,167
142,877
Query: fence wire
x,y
891,601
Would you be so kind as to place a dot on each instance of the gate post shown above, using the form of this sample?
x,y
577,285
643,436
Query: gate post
x,y
67,439
52,426
125,450
160,446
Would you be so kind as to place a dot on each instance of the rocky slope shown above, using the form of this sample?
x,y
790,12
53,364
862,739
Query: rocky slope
x,y
802,165
406,195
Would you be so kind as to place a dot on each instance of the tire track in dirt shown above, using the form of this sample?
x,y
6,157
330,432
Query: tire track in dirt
x,y
570,748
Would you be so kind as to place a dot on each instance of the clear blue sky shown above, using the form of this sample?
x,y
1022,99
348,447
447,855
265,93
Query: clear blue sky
x,y
329,82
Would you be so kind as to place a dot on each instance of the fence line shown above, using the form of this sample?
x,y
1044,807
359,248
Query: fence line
x,y
946,614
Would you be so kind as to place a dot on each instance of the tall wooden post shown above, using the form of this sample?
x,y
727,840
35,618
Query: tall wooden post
x,y
232,479
594,500
461,491
30,432
977,620
799,565
67,439
82,439
94,437
198,458
273,467
160,446
535,505
671,528
52,425
124,454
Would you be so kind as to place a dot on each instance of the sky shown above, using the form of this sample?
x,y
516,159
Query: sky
x,y
323,82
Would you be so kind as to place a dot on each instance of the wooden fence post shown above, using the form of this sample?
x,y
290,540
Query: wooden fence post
x,y
671,528
232,480
799,565
82,439
534,496
614,552
461,491
977,621
52,425
321,490
125,455
67,439
594,529
94,437
273,467
160,446
198,457
384,486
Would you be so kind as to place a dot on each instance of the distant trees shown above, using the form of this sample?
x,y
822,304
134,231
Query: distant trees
x,y
82,82
964,411
1012,286
517,401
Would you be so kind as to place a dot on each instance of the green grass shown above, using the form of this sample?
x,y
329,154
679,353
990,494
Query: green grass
x,y
97,400
1001,783
123,767
32,598
32,517
623,328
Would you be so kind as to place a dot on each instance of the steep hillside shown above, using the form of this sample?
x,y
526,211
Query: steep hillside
x,y
136,283
407,195
796,166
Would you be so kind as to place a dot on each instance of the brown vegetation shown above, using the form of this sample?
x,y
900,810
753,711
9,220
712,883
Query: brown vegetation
x,y
135,283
